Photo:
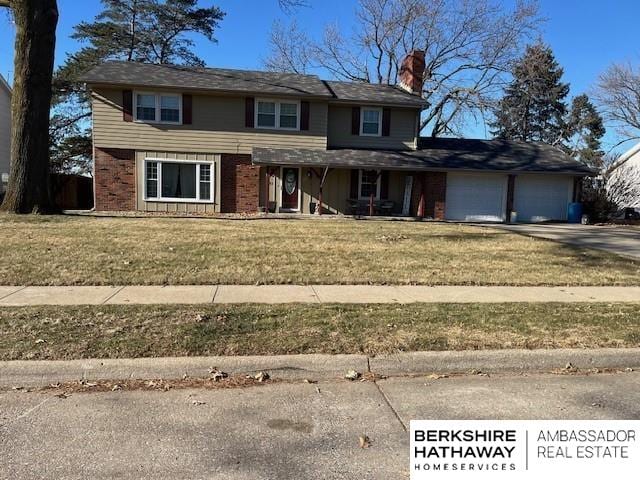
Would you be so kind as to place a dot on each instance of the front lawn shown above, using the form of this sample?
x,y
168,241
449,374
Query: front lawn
x,y
63,250
152,331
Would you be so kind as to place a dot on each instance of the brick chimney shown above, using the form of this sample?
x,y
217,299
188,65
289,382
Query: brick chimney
x,y
412,72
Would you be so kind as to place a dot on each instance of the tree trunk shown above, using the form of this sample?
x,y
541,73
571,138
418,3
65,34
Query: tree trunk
x,y
28,188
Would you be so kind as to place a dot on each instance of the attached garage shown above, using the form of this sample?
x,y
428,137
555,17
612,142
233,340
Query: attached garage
x,y
476,197
542,198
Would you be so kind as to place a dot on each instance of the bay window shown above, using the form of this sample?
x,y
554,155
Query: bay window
x,y
167,180
278,114
158,108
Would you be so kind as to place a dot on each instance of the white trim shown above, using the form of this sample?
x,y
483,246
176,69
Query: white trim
x,y
624,157
277,103
378,183
376,109
291,210
197,163
158,107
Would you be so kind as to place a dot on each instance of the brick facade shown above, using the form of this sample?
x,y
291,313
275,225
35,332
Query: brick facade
x,y
433,186
239,184
115,179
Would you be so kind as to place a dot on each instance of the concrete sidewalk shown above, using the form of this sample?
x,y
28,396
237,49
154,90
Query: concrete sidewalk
x,y
272,294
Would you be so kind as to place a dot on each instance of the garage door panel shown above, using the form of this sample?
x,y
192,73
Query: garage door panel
x,y
542,198
476,197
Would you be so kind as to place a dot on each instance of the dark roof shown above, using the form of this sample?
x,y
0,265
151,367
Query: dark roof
x,y
373,93
215,79
435,154
246,81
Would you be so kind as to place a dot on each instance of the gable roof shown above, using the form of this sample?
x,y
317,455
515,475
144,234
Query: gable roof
x,y
436,154
624,157
246,82
361,92
213,79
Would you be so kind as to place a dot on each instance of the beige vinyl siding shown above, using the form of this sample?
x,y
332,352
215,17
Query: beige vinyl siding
x,y
218,126
402,135
5,131
176,207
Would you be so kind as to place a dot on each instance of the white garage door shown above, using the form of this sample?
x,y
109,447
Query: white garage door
x,y
476,197
540,198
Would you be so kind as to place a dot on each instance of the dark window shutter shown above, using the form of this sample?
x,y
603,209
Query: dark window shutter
x,y
354,184
187,109
355,121
127,105
386,122
249,105
304,115
384,185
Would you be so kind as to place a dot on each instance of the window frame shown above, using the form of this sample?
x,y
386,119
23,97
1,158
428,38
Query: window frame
x,y
362,122
378,183
197,163
277,102
158,107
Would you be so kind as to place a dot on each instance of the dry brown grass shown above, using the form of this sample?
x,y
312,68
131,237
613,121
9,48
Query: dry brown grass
x,y
157,331
59,250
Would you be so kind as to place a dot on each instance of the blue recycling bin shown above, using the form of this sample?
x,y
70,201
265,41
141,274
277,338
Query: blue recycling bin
x,y
574,214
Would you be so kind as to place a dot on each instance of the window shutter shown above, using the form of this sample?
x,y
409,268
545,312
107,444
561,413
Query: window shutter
x,y
127,105
355,121
249,106
386,122
187,107
384,185
304,115
354,184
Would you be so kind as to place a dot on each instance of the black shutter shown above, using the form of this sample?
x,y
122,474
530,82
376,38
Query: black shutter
x,y
249,105
355,121
127,105
355,180
386,122
384,185
187,108
304,115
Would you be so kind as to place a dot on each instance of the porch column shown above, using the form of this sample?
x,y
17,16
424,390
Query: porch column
x,y
423,195
511,183
266,190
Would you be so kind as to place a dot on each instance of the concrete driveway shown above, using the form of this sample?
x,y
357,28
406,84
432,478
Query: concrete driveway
x,y
277,431
623,241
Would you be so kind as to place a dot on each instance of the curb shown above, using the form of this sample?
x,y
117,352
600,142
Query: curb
x,y
38,373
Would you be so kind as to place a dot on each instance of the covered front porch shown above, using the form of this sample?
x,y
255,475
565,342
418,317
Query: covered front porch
x,y
363,188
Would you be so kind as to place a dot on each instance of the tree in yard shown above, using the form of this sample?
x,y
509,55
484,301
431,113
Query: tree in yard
x,y
533,108
28,188
152,31
618,94
585,129
469,46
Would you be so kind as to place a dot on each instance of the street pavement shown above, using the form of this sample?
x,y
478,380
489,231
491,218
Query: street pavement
x,y
286,430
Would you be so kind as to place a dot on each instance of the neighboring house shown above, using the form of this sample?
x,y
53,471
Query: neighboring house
x,y
623,179
178,139
5,132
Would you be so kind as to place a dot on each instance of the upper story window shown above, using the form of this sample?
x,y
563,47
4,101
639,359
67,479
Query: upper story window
x,y
278,114
158,108
371,121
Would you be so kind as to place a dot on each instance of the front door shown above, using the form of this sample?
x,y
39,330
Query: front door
x,y
290,189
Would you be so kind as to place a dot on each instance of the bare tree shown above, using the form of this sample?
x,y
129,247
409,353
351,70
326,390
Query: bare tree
x,y
470,47
36,21
623,186
290,5
618,94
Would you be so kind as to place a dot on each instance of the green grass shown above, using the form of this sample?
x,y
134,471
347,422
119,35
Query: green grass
x,y
62,250
151,331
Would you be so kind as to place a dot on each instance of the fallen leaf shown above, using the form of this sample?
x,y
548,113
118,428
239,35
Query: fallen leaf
x,y
365,442
352,375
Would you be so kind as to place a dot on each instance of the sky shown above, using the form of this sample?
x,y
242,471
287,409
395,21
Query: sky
x,y
585,35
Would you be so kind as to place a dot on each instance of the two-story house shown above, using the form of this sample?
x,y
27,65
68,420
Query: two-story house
x,y
178,139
